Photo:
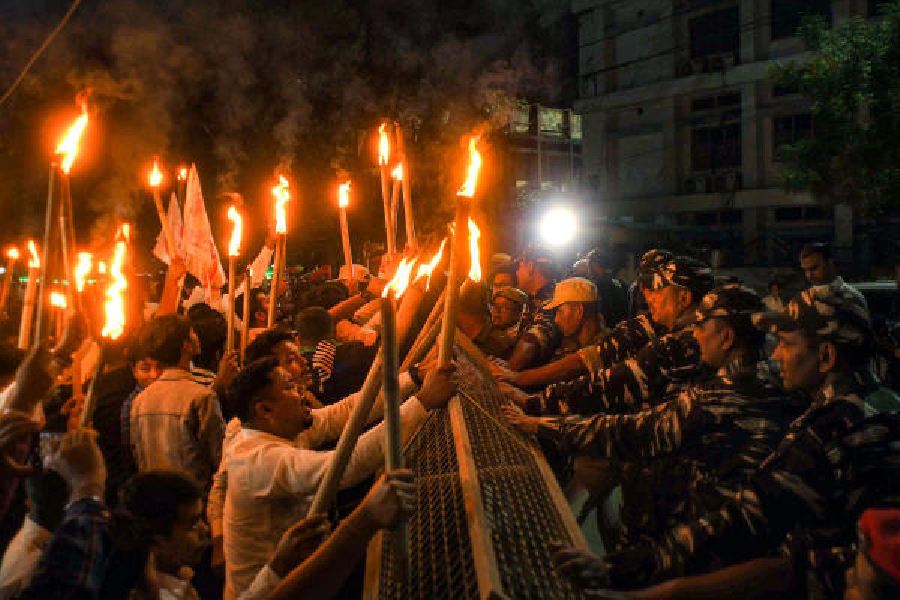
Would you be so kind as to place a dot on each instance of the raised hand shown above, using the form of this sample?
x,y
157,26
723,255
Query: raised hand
x,y
392,497
298,543
519,420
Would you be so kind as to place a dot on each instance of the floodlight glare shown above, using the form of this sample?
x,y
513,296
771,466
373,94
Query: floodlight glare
x,y
558,226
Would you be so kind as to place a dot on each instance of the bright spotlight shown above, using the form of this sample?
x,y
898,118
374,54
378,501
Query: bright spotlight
x,y
558,226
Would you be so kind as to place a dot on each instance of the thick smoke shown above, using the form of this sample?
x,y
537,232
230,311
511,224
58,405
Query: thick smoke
x,y
243,88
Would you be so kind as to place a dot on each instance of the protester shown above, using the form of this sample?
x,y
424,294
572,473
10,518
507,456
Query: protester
x,y
506,307
819,268
536,274
176,423
475,321
773,300
270,481
580,324
611,294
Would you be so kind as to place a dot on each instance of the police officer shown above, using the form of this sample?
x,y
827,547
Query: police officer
x,y
837,459
708,435
536,274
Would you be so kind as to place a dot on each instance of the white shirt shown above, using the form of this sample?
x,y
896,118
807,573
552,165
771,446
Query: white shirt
x,y
270,486
773,304
21,558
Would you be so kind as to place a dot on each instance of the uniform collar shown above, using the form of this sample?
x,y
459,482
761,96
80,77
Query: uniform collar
x,y
861,383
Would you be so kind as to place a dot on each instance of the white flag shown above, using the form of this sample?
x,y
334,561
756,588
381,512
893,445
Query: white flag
x,y
200,253
161,249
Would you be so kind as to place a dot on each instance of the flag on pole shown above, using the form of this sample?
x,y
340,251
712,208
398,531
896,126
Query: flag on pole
x,y
200,253
176,224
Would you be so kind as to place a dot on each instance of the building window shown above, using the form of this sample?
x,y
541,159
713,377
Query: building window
x,y
716,133
789,130
716,33
787,15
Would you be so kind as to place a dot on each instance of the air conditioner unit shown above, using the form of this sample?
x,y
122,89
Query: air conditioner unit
x,y
686,68
696,184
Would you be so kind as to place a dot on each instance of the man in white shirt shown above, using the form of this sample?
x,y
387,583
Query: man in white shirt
x,y
271,481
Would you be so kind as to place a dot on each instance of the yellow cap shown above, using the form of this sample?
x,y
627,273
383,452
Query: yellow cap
x,y
574,289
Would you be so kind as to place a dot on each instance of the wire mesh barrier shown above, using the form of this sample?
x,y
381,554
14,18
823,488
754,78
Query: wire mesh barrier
x,y
487,508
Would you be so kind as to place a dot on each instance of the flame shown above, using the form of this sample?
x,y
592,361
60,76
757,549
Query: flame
x,y
82,268
468,188
101,267
182,173
427,269
68,145
115,293
400,281
397,173
474,253
234,246
126,231
12,253
384,146
58,300
155,176
344,195
35,261
282,195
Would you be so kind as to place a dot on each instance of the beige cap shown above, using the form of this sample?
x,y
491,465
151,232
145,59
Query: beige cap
x,y
574,289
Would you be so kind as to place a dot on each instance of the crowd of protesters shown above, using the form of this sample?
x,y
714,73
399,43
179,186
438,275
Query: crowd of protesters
x,y
742,472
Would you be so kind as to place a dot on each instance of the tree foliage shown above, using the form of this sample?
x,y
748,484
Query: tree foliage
x,y
853,81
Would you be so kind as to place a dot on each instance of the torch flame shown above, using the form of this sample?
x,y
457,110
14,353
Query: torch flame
x,y
400,281
68,145
101,267
58,300
397,173
12,253
344,195
234,246
115,293
35,261
155,176
474,253
428,268
182,174
82,269
384,146
468,188
282,195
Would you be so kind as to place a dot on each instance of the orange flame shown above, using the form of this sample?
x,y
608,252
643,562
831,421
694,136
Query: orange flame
x,y
182,174
400,281
155,176
344,195
397,173
468,188
58,300
474,252
427,269
35,261
68,145
12,253
115,293
234,246
82,268
101,267
282,195
384,146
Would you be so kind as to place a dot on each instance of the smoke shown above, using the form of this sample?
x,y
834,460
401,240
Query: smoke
x,y
242,88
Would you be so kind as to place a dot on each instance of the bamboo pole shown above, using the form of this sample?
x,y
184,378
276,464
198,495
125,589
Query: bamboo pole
x,y
229,336
386,200
245,322
407,190
458,251
45,255
90,402
348,253
7,282
273,289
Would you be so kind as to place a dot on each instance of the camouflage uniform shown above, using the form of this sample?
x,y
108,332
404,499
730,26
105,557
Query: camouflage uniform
x,y
709,434
838,458
537,323
640,373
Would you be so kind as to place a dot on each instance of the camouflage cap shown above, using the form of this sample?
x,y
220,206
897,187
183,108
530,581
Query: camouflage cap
x,y
653,259
682,271
829,312
729,300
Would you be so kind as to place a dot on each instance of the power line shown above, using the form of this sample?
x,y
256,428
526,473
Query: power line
x,y
40,50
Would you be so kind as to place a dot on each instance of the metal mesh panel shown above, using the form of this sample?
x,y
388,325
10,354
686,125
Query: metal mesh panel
x,y
517,504
441,564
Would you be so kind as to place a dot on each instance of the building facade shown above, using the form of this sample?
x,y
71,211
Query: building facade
x,y
682,124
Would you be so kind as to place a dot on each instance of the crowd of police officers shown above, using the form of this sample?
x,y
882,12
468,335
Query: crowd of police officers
x,y
742,474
